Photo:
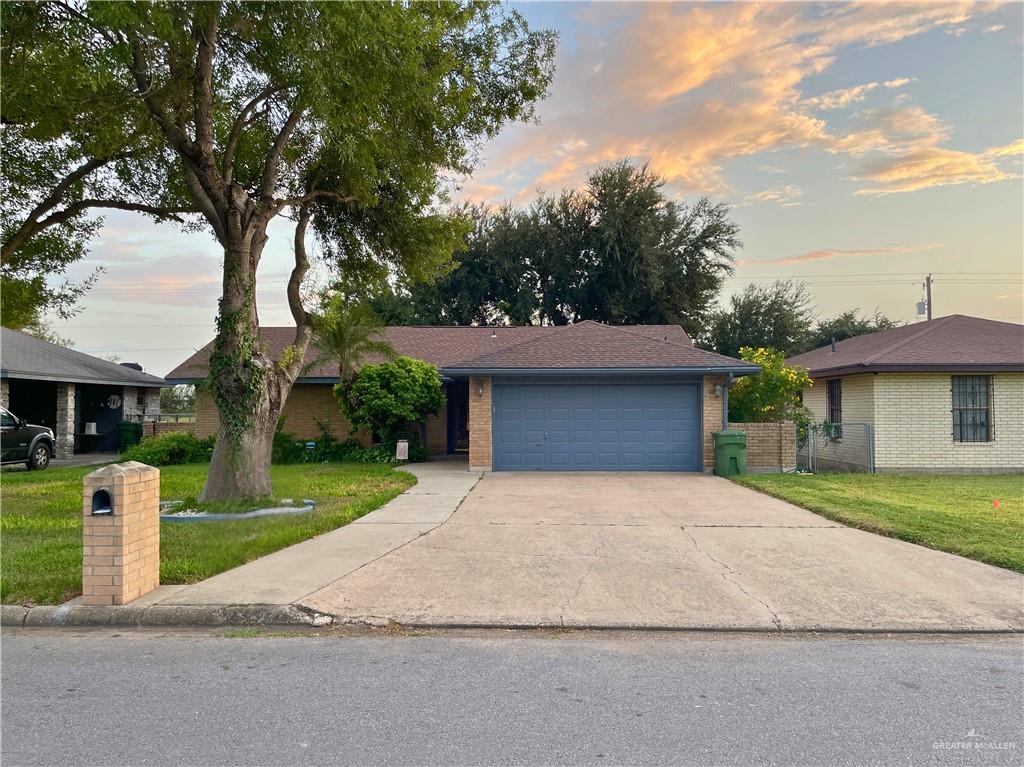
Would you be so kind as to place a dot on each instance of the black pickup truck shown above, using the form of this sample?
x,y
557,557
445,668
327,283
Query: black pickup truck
x,y
21,442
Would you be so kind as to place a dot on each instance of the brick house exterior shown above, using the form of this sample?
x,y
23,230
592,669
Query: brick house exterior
x,y
66,391
908,384
600,397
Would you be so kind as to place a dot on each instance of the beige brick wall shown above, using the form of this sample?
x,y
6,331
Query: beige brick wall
x,y
480,424
853,451
153,428
307,406
207,419
858,399
914,419
121,551
712,418
771,447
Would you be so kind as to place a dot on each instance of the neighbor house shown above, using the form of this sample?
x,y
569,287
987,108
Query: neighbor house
x,y
577,397
946,395
68,391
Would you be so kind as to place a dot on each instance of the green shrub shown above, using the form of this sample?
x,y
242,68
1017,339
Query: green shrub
x,y
390,398
286,447
171,449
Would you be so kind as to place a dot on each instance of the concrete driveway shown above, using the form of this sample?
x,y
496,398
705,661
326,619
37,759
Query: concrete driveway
x,y
662,550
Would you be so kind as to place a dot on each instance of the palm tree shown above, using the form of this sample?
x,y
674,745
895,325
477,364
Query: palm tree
x,y
349,333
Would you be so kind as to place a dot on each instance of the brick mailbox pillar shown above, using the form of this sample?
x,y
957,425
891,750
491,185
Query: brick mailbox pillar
x,y
121,533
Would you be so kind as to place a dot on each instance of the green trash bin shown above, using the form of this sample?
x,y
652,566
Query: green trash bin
x,y
730,453
130,433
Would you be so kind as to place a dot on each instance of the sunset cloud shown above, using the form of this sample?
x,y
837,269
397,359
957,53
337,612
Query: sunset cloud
x,y
689,88
843,98
786,196
828,254
933,166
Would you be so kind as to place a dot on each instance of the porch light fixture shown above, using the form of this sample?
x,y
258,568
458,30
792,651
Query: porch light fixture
x,y
717,389
479,388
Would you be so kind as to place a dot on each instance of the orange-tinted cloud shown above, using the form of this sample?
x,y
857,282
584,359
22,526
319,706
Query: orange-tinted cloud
x,y
828,254
928,167
688,88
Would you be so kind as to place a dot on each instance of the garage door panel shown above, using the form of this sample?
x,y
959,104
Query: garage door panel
x,y
607,426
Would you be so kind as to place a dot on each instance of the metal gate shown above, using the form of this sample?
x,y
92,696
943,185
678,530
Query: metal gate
x,y
837,447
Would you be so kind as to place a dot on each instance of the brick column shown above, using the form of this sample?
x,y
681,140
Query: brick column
x,y
129,404
480,423
713,405
121,550
152,408
5,393
64,430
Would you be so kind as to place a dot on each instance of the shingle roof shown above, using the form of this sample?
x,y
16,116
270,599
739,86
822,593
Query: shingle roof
x,y
592,346
956,342
23,356
450,347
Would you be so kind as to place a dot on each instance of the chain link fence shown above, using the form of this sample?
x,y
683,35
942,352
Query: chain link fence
x,y
837,447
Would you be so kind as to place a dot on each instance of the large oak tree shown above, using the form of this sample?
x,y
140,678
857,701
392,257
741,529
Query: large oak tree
x,y
346,116
619,250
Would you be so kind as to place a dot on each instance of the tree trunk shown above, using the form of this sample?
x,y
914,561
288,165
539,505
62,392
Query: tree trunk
x,y
241,471
249,388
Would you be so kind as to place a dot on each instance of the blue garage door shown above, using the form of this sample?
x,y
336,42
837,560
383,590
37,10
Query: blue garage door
x,y
597,427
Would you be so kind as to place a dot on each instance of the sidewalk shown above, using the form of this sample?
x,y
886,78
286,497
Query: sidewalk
x,y
269,590
288,575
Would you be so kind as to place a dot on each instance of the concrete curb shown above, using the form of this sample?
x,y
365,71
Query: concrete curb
x,y
378,622
51,616
75,615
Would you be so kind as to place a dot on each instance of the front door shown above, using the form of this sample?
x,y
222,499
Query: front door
x,y
103,406
457,404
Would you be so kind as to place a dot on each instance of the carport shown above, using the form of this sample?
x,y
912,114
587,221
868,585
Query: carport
x,y
51,385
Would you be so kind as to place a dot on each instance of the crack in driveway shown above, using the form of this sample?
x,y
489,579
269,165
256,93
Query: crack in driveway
x,y
579,584
725,576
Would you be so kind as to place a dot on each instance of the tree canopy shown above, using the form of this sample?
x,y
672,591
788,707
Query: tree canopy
x,y
780,316
347,118
73,142
620,250
777,316
846,325
774,394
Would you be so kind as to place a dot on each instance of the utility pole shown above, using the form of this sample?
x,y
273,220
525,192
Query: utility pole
x,y
928,294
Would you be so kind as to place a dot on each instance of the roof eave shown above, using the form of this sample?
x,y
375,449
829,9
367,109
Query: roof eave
x,y
680,370
31,376
972,367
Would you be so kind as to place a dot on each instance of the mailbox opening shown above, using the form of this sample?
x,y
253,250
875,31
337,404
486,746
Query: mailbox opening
x,y
101,503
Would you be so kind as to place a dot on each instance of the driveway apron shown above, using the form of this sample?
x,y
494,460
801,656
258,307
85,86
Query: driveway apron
x,y
658,550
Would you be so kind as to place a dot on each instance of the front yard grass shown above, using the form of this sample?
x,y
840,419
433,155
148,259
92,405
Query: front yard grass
x,y
945,512
41,524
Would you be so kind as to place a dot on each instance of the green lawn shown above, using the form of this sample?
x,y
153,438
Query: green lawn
x,y
950,513
41,525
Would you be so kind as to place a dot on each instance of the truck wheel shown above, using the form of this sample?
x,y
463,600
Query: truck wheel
x,y
40,457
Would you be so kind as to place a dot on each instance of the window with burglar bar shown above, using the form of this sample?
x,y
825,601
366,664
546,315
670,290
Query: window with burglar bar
x,y
972,408
834,400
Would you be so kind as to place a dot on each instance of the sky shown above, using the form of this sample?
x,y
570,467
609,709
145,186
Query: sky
x,y
861,147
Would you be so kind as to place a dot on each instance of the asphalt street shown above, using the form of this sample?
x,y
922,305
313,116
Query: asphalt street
x,y
145,698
